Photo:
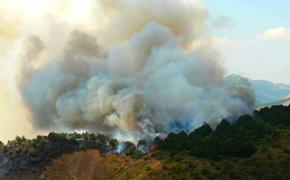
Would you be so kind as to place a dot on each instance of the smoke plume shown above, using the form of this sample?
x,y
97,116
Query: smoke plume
x,y
127,68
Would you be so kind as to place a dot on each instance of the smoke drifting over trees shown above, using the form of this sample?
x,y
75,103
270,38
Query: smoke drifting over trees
x,y
130,68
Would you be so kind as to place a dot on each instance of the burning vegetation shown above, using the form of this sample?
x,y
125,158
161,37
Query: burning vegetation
x,y
241,140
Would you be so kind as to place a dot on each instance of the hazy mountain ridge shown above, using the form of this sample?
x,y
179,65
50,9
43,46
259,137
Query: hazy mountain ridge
x,y
265,91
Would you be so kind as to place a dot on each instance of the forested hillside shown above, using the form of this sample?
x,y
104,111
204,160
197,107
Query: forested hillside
x,y
255,146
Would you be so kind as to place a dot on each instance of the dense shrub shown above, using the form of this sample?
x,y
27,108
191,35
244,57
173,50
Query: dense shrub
x,y
23,153
238,140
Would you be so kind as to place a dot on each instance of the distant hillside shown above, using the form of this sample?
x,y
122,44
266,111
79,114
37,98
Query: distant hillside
x,y
265,91
283,102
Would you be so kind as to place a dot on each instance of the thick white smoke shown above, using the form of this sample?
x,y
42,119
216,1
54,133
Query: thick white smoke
x,y
128,71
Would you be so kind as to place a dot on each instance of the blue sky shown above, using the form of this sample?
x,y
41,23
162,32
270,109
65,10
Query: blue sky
x,y
257,41
250,17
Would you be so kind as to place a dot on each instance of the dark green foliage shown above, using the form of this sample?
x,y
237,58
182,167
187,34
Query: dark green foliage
x,y
157,141
113,143
245,121
198,137
132,150
1,146
223,129
92,141
237,140
141,143
226,140
202,131
175,142
89,141
276,115
22,153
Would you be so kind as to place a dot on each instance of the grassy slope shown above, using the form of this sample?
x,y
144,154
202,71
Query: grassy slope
x,y
91,165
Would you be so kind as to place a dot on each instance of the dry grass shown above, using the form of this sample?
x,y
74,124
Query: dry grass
x,y
90,165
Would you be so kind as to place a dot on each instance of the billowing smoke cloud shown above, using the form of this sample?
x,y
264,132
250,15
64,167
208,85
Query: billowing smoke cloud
x,y
128,71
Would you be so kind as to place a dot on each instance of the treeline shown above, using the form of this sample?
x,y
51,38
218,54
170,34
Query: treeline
x,y
240,139
22,153
229,140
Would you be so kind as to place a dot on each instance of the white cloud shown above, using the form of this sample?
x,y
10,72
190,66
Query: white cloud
x,y
276,33
262,56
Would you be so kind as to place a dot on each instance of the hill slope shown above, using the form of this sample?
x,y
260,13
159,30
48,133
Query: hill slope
x,y
91,164
265,91
271,162
254,147
284,102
